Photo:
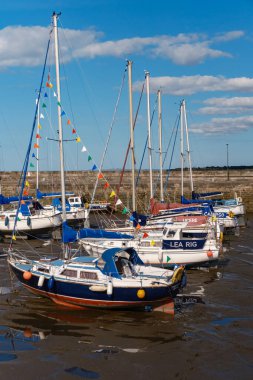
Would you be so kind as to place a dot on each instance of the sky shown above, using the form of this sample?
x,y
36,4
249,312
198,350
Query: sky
x,y
197,51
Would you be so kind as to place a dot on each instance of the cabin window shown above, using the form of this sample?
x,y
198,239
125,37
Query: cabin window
x,y
88,275
69,273
44,270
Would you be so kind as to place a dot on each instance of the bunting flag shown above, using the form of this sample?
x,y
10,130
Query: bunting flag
x,y
27,183
112,194
36,146
55,95
33,155
73,131
168,259
124,211
131,218
59,104
45,95
18,219
78,139
106,185
94,167
25,192
118,202
42,116
138,226
152,243
89,158
84,149
63,113
100,176
145,235
39,126
14,237
47,84
31,165
68,122
22,202
44,105
38,136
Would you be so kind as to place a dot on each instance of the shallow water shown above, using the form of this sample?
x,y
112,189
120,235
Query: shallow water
x,y
210,336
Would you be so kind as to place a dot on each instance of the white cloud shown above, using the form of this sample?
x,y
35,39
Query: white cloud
x,y
25,46
188,85
234,105
224,125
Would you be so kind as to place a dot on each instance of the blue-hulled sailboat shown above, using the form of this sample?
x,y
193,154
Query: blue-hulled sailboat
x,y
117,280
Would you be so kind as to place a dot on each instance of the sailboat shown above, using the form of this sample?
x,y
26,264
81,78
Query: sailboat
x,y
118,279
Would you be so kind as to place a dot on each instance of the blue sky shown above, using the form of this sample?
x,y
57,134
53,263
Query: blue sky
x,y
194,50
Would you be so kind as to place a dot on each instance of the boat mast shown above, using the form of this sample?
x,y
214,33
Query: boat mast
x,y
147,76
182,149
188,145
37,153
57,69
129,67
160,144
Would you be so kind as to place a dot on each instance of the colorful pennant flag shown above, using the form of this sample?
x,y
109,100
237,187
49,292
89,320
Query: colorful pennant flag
x,y
31,165
39,126
124,211
145,235
118,202
84,149
73,130
78,139
55,95
33,155
94,167
44,105
38,136
106,185
152,243
100,176
138,226
112,194
45,95
42,116
14,237
27,183
36,146
89,158
168,259
63,113
68,122
59,104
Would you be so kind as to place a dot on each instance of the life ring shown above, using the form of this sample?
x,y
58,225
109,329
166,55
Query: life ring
x,y
177,275
6,221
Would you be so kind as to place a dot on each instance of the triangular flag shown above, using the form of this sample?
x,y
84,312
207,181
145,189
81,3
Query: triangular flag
x,y
25,192
63,113
18,219
59,104
47,84
33,155
131,218
89,158
138,226
112,194
68,122
84,149
22,202
152,243
36,146
118,202
100,175
27,183
38,136
31,165
39,126
145,235
41,116
45,95
14,237
78,139
106,185
94,167
124,211
73,130
168,259
50,85
44,105
55,94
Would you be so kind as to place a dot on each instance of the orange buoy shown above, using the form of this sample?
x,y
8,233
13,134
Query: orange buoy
x,y
141,293
209,253
27,332
27,275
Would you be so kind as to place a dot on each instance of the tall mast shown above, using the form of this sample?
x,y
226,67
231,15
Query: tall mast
x,y
129,67
37,150
188,145
182,149
160,144
147,76
55,16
